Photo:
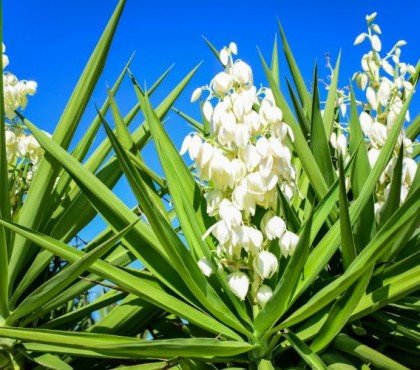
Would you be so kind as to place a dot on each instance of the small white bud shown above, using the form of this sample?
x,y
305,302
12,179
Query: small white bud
x,y
371,17
376,28
264,293
376,43
371,97
207,110
196,94
205,266
233,48
360,38
224,56
401,43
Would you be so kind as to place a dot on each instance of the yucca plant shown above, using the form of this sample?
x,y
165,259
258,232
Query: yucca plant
x,y
282,247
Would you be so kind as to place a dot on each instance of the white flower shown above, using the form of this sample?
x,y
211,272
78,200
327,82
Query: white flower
x,y
230,214
221,83
288,243
373,155
384,93
242,73
273,226
371,17
409,170
387,67
376,43
207,110
265,264
239,284
220,231
360,38
233,48
205,266
251,239
224,56
371,97
378,133
366,122
214,198
264,293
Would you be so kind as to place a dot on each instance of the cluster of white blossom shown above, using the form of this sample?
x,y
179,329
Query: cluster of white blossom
x,y
385,81
15,91
243,163
22,150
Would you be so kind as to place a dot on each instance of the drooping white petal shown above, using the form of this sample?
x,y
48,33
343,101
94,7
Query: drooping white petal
x,y
264,293
265,264
196,94
205,266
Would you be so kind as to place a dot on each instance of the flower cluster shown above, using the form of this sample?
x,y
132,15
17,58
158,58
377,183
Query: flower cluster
x,y
22,150
385,81
15,91
243,162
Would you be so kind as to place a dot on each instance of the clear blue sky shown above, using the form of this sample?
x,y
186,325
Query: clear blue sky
x,y
50,41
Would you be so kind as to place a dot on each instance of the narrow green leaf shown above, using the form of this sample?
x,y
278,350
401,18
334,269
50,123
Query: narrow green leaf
x,y
296,74
348,247
330,105
351,346
319,141
414,129
306,353
275,69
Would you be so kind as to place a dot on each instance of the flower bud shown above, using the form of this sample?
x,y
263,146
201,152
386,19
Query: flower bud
x,y
371,17
360,38
265,264
239,284
196,94
233,48
207,110
376,43
371,97
288,243
264,293
205,266
224,56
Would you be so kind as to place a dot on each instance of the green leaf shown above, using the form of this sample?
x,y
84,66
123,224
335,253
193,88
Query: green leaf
x,y
275,69
304,95
124,347
306,353
330,105
351,346
340,313
393,200
414,129
348,247
319,141
359,174
56,284
378,246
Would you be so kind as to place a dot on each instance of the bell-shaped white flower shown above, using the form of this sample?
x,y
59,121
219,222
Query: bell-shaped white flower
x,y
251,239
205,266
214,198
265,264
384,92
273,226
366,122
373,155
242,73
250,156
339,142
378,133
409,171
264,293
220,231
230,214
239,284
288,243
371,97
221,83
196,94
